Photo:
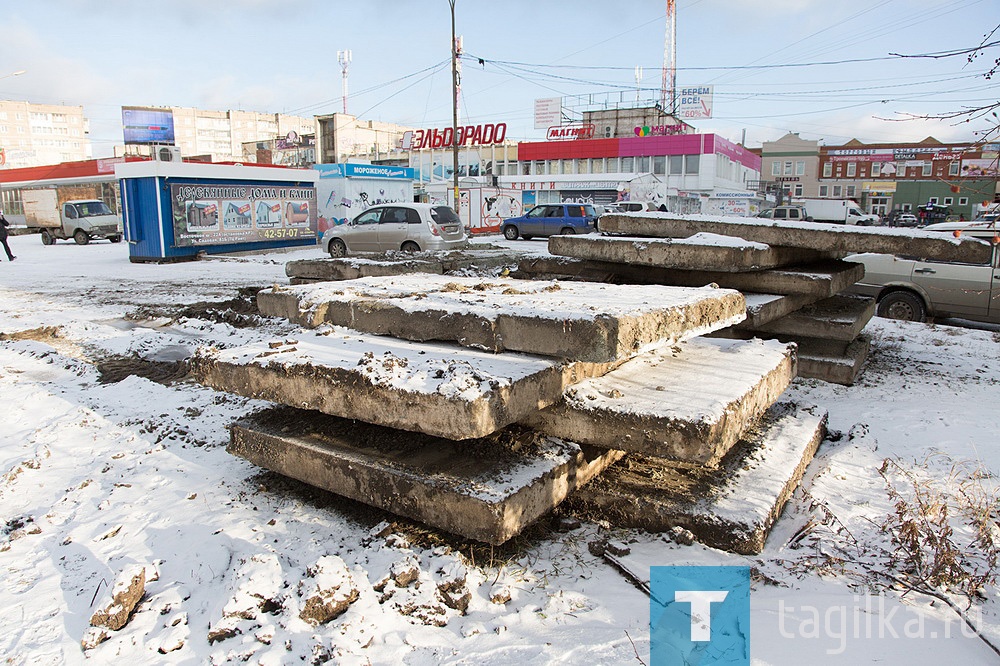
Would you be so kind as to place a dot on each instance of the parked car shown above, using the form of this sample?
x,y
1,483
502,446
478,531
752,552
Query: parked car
x,y
916,290
797,213
633,207
551,220
906,220
410,227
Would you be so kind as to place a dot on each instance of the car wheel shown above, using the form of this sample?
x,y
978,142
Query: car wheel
x,y
115,239
902,305
566,231
409,246
47,238
337,248
81,237
510,232
527,237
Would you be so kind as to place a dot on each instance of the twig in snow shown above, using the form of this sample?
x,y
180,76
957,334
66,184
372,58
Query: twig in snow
x,y
634,649
98,590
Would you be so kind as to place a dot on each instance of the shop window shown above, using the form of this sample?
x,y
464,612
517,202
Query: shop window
x,y
597,165
798,189
643,165
837,190
849,191
567,166
659,164
692,164
628,165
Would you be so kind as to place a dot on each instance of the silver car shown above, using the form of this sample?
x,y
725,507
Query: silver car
x,y
916,289
410,227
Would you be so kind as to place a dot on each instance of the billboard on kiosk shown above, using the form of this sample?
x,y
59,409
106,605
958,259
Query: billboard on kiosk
x,y
145,126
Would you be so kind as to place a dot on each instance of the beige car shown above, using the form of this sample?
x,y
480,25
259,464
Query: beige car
x,y
916,290
409,227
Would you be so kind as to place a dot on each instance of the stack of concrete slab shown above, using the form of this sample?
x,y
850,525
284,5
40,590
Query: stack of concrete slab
x,y
790,273
548,385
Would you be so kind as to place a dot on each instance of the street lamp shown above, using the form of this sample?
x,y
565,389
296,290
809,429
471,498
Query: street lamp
x,y
454,107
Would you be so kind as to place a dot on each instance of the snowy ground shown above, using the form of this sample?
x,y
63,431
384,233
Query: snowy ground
x,y
107,460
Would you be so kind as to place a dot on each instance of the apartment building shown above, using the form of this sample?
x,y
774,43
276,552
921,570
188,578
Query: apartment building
x,y
40,134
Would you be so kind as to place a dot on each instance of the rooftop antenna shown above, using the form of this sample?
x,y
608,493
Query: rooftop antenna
x,y
668,88
344,58
638,81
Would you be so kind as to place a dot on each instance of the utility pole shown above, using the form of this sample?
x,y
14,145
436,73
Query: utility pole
x,y
454,108
344,58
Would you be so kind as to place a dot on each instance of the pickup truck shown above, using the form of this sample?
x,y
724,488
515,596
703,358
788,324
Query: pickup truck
x,y
917,290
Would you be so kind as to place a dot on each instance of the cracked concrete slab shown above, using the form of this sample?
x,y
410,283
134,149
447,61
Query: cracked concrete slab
x,y
817,236
596,323
732,507
487,489
304,271
438,389
702,251
821,279
689,402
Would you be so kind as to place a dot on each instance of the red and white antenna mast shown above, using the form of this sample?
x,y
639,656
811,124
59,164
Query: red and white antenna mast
x,y
344,58
668,88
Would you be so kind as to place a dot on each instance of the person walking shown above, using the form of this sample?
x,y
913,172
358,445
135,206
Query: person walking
x,y
3,237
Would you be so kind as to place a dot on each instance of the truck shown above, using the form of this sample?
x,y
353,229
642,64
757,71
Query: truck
x,y
82,220
837,211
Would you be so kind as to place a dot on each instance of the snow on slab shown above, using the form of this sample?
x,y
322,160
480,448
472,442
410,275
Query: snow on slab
x,y
690,402
702,252
582,321
731,507
487,489
817,236
438,389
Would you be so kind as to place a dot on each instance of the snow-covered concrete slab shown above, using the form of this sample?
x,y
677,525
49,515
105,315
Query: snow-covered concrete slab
x,y
689,402
438,389
487,489
732,507
814,235
588,322
764,308
303,271
820,279
702,251
840,317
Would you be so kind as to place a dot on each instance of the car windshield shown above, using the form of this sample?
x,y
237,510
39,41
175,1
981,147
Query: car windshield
x,y
93,208
445,215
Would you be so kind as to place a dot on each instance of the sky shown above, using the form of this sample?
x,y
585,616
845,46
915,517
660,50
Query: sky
x,y
281,57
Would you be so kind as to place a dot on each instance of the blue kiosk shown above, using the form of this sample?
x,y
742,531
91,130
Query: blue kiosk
x,y
174,211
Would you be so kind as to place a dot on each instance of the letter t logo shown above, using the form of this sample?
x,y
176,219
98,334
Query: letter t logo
x,y
701,610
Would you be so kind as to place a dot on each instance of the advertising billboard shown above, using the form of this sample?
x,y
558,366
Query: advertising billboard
x,y
144,126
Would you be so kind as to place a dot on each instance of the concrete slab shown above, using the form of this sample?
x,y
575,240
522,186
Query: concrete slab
x,y
487,489
840,317
832,360
596,323
303,271
813,235
764,308
732,507
821,279
438,389
702,251
690,402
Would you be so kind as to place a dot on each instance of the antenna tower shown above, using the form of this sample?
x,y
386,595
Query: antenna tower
x,y
668,89
344,58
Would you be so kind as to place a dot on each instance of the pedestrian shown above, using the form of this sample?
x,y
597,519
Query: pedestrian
x,y
961,217
3,237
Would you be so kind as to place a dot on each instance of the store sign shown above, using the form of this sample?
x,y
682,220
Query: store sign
x,y
469,135
570,132
695,102
659,130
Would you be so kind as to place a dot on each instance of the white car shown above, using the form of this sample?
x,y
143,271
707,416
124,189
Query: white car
x,y
410,227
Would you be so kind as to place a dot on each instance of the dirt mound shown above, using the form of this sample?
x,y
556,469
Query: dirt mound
x,y
114,370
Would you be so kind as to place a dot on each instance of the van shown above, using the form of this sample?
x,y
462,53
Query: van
x,y
794,213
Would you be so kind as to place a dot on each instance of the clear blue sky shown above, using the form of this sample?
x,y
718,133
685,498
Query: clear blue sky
x,y
280,56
